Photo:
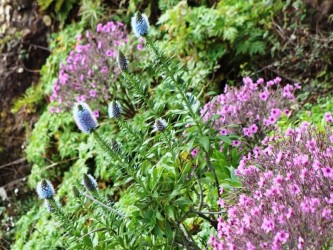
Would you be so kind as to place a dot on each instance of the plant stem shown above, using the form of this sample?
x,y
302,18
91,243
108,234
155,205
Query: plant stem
x,y
102,204
188,105
106,147
136,85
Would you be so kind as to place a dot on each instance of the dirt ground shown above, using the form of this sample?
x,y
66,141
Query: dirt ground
x,y
23,51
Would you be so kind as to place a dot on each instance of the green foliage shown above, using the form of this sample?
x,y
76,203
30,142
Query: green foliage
x,y
91,12
61,8
29,100
310,112
154,181
163,191
229,34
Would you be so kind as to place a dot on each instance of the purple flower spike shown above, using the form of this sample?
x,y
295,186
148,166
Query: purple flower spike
x,y
84,118
45,189
140,24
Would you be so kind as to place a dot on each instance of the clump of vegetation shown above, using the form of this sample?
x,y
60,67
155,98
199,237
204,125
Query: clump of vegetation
x,y
142,156
284,190
251,111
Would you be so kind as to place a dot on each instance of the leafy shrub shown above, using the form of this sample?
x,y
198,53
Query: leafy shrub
x,y
288,195
145,171
252,110
228,34
62,8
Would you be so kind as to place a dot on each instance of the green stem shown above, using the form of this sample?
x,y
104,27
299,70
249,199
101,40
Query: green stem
x,y
167,138
188,105
102,204
201,192
136,85
105,146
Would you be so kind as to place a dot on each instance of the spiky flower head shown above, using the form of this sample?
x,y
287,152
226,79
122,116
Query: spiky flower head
x,y
76,192
140,24
89,182
160,125
51,205
122,61
114,109
84,118
115,146
45,189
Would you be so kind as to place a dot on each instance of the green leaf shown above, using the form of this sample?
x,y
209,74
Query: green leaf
x,y
205,142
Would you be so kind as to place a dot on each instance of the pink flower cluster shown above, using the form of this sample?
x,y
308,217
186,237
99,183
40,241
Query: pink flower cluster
x,y
255,107
288,195
90,68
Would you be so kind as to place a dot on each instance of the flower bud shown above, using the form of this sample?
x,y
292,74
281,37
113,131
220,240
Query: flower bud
x,y
115,147
114,109
45,189
84,118
160,125
76,192
89,182
122,61
140,24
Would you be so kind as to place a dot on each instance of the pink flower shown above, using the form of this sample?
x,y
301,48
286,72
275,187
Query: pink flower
x,y
92,93
250,246
276,113
272,120
194,152
223,131
264,95
282,237
221,203
140,46
96,113
99,27
287,112
294,189
267,225
221,190
328,117
327,172
236,143
300,244
260,81
254,128
266,122
327,213
277,80
297,86
270,83
109,53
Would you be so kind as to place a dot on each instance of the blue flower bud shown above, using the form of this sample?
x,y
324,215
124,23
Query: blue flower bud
x,y
122,61
115,146
140,24
84,118
159,125
89,182
114,109
45,189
